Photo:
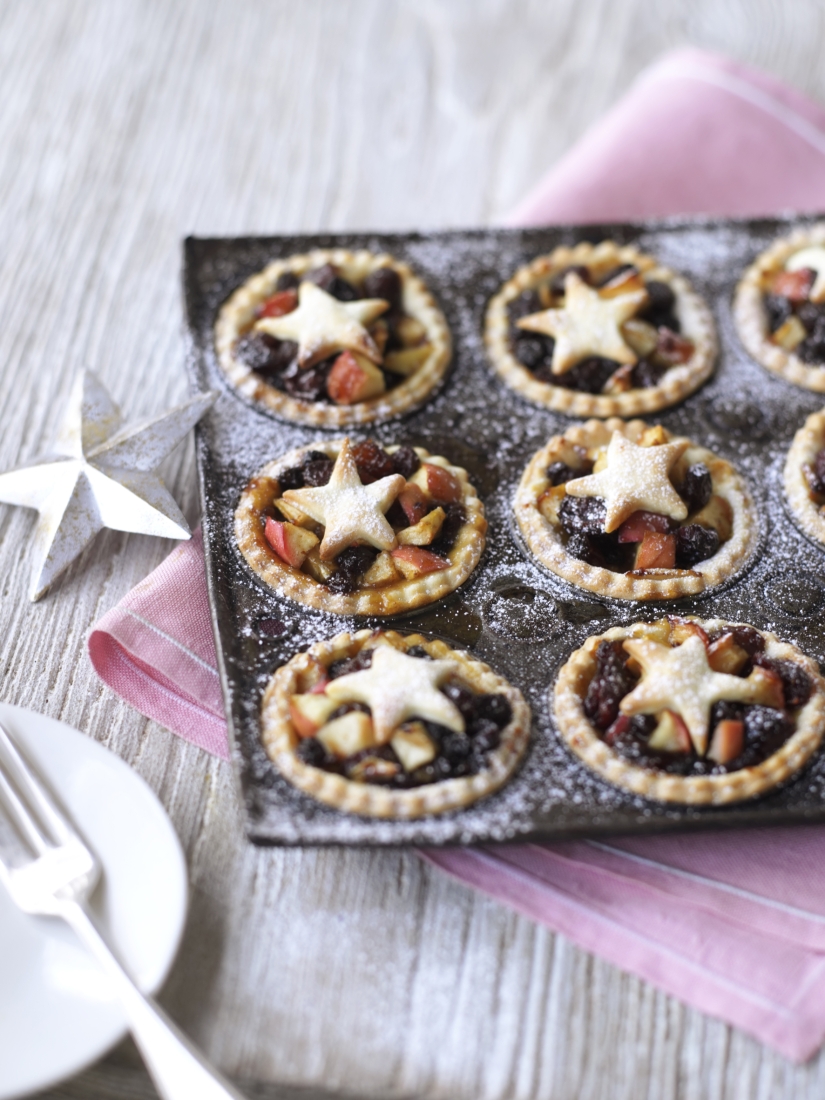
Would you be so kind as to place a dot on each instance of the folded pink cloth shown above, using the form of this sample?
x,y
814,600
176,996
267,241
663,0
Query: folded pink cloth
x,y
731,923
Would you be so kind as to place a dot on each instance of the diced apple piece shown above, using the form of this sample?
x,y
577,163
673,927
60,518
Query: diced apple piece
x,y
414,503
354,378
672,349
407,360
724,655
290,543
437,483
790,333
321,686
413,746
717,514
641,336
768,691
635,527
382,570
727,742
282,302
812,258
620,381
671,734
309,712
293,513
348,734
571,454
682,629
656,551
424,532
413,561
410,331
654,436
624,283
794,285
549,501
316,567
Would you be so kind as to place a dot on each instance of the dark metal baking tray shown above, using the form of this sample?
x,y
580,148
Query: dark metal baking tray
x,y
511,613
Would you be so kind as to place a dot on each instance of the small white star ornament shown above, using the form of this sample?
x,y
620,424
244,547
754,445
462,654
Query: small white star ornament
x,y
99,474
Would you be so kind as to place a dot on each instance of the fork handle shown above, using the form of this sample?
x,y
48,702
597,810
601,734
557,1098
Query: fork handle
x,y
179,1071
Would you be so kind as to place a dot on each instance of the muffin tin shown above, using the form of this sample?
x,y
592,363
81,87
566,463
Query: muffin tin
x,y
513,614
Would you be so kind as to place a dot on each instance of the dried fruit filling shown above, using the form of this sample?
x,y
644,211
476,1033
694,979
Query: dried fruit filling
x,y
644,539
342,738
745,725
417,517
648,332
814,472
393,343
794,302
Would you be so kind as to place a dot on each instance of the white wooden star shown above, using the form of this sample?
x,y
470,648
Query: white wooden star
x,y
587,325
99,475
397,687
350,511
680,679
321,325
634,479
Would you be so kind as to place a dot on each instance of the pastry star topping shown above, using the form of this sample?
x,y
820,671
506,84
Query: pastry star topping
x,y
321,325
350,511
681,680
396,687
587,325
635,479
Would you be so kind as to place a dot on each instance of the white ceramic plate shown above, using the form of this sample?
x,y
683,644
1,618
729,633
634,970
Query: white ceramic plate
x,y
56,1012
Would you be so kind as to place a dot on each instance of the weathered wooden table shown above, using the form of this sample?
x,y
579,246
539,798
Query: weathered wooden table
x,y
126,124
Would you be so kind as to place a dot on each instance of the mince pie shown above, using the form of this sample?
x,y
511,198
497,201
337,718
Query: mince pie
x,y
359,529
684,710
600,330
392,725
805,476
780,308
633,512
333,338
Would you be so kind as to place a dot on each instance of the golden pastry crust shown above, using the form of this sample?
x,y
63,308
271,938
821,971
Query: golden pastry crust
x,y
583,738
281,739
389,599
751,319
676,383
807,443
238,312
545,543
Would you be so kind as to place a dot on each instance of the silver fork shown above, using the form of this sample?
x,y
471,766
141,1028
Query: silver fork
x,y
52,873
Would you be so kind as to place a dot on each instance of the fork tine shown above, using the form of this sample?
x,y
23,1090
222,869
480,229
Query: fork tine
x,y
40,802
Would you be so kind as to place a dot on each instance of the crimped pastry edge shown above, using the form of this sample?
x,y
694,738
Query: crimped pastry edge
x,y
806,443
237,311
749,313
392,599
544,542
567,701
676,384
279,737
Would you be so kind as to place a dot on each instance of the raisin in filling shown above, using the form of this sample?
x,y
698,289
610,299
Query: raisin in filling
x,y
794,322
676,546
655,338
814,473
346,573
455,754
765,728
401,339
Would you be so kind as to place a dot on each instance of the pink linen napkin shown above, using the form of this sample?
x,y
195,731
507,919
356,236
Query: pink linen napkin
x,y
731,923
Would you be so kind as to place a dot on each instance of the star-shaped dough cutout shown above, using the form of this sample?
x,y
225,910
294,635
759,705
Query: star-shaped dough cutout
x,y
321,325
99,475
587,325
680,679
634,479
397,687
350,511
